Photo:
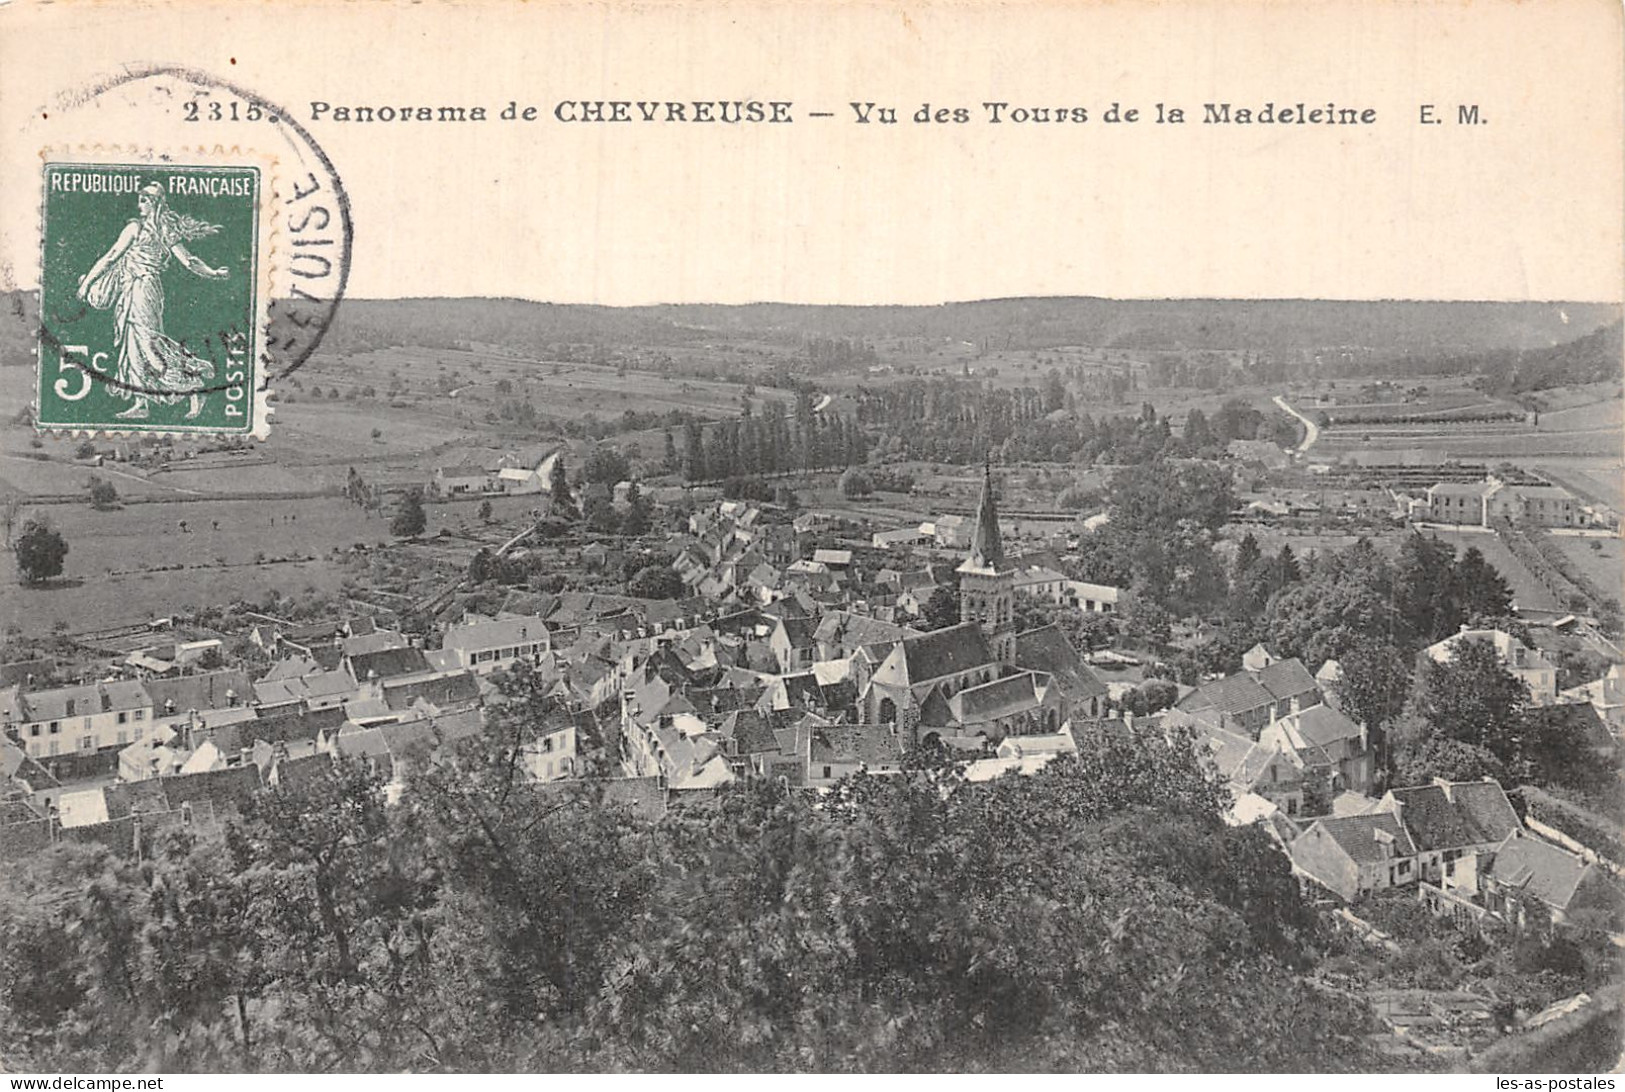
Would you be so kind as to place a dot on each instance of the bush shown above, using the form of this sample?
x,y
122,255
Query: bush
x,y
855,483
102,493
1595,832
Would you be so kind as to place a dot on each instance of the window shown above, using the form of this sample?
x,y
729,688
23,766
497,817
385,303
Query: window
x,y
33,729
139,732
123,718
123,738
140,714
53,747
826,773
71,704
56,726
87,743
1404,867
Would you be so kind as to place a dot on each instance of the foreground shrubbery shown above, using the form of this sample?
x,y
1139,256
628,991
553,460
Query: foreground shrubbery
x,y
1098,916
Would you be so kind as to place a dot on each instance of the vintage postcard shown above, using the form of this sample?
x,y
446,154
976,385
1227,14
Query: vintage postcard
x,y
1064,536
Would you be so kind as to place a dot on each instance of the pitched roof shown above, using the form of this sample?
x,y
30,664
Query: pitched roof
x,y
869,744
215,690
1046,649
388,662
372,641
1357,835
945,652
1000,698
91,698
752,732
1550,874
1285,679
230,787
292,725
447,689
799,631
1484,805
1234,694
851,630
1433,821
19,767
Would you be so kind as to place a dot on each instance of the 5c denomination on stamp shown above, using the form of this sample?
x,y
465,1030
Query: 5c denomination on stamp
x,y
152,295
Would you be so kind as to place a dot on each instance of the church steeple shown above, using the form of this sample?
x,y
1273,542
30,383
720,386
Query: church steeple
x,y
987,587
986,546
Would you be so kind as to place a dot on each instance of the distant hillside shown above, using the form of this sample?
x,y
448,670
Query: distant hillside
x,y
1410,335
1589,359
1385,330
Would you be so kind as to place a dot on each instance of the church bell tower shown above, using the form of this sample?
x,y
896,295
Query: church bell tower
x,y
987,583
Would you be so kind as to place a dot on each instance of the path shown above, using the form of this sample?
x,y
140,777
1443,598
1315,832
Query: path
x,y
1311,431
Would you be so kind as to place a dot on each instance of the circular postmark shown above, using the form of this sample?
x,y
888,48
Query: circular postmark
x,y
173,112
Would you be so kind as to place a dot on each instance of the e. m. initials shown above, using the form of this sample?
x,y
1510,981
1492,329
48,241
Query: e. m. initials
x,y
1467,114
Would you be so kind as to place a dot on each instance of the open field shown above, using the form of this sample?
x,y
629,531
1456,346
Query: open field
x,y
1483,444
1527,592
103,601
1601,560
1606,414
450,381
105,582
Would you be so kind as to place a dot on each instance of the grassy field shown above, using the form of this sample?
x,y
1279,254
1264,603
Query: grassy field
x,y
1602,560
106,579
1527,592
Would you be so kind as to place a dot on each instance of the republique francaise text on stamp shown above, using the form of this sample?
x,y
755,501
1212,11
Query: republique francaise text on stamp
x,y
153,296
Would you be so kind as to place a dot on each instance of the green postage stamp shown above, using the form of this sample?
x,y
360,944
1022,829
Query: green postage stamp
x,y
152,297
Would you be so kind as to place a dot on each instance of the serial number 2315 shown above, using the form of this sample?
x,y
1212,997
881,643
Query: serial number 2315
x,y
226,111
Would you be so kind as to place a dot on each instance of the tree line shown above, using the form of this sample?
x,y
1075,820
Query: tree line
x,y
1097,916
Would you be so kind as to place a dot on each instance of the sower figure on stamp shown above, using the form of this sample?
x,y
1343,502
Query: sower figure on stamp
x,y
152,367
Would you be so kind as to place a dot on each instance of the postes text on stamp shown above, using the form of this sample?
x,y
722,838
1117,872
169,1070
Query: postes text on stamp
x,y
151,298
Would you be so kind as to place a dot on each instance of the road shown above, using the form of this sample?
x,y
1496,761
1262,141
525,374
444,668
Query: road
x,y
1311,431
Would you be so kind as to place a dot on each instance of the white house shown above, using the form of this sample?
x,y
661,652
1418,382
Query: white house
x,y
488,645
87,718
552,756
462,478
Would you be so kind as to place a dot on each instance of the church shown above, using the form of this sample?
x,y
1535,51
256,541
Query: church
x,y
981,678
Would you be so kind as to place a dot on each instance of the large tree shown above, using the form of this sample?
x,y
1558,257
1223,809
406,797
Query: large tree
x,y
40,550
1372,687
1425,588
410,519
1480,589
